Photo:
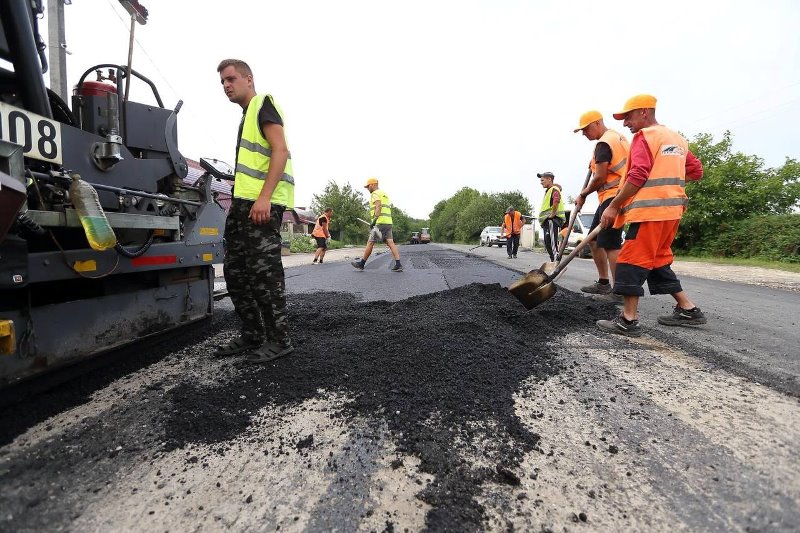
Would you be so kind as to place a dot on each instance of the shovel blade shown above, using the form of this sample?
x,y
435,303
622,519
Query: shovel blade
x,y
549,268
533,288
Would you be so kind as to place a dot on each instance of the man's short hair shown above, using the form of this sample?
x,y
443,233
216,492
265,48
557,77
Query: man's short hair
x,y
240,66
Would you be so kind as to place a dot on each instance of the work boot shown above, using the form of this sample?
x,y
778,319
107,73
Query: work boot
x,y
609,297
314,262
621,326
358,264
597,288
397,267
683,317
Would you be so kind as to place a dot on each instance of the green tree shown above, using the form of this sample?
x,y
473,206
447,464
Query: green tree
x,y
348,205
735,186
445,221
488,210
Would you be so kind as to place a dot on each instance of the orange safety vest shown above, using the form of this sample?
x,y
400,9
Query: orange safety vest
x,y
662,197
617,167
516,227
319,231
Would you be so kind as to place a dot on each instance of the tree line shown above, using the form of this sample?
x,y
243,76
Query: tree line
x,y
740,208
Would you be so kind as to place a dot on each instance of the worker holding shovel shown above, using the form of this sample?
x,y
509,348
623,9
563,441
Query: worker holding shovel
x,y
608,167
652,200
380,210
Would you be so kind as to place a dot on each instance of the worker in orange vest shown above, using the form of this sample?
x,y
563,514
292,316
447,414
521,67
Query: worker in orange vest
x,y
322,233
512,227
608,166
652,201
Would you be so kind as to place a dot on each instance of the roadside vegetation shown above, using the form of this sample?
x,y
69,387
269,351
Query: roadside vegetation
x,y
740,210
349,205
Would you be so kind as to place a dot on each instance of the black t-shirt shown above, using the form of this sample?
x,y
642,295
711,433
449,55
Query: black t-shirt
x,y
602,153
268,114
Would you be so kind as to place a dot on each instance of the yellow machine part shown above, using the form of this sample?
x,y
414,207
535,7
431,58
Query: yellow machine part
x,y
8,340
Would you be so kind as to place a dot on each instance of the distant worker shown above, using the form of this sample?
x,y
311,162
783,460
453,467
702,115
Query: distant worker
x,y
551,214
263,190
380,212
512,227
322,233
652,200
609,165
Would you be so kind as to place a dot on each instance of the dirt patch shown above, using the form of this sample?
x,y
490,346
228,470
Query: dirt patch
x,y
765,277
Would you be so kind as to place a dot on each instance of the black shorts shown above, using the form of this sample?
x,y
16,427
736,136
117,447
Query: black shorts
x,y
322,242
609,238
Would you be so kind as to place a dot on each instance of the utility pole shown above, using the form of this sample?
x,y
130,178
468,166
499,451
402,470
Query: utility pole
x,y
57,47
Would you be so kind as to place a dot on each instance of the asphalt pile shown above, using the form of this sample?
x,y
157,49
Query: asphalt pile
x,y
433,368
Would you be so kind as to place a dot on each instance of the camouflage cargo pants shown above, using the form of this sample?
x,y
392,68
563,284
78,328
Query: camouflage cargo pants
x,y
254,273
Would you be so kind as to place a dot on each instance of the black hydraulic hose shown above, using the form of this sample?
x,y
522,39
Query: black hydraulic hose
x,y
136,253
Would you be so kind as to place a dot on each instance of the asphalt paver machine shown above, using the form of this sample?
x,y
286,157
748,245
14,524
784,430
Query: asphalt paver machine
x,y
63,297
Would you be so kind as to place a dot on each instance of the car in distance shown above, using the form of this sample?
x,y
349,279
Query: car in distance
x,y
492,235
424,236
414,238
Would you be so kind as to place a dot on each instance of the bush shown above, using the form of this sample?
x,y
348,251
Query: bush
x,y
772,237
307,244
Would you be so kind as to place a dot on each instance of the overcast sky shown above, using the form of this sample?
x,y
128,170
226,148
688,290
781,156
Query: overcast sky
x,y
431,96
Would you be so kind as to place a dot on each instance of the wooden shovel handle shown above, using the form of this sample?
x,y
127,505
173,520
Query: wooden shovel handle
x,y
572,218
581,245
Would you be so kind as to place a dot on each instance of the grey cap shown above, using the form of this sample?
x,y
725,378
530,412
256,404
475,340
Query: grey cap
x,y
546,175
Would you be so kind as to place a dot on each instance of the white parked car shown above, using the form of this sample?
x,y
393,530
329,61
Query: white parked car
x,y
492,235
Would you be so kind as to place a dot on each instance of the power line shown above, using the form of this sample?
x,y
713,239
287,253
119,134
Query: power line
x,y
126,23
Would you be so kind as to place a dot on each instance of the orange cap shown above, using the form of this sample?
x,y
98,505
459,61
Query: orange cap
x,y
640,101
587,118
371,181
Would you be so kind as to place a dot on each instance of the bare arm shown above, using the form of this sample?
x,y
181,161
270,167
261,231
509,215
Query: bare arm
x,y
610,214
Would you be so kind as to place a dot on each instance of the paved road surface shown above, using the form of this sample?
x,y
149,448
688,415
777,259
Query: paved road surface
x,y
684,429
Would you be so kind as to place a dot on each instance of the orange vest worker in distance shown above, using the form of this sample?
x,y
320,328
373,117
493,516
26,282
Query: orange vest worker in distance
x,y
512,224
322,233
321,227
512,227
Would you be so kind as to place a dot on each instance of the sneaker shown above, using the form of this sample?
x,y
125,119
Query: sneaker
x,y
514,256
610,298
314,262
358,265
597,288
621,326
683,317
510,257
397,267
320,261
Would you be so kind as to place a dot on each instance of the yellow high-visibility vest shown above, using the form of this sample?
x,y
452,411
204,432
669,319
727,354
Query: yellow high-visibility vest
x,y
253,158
547,205
386,207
